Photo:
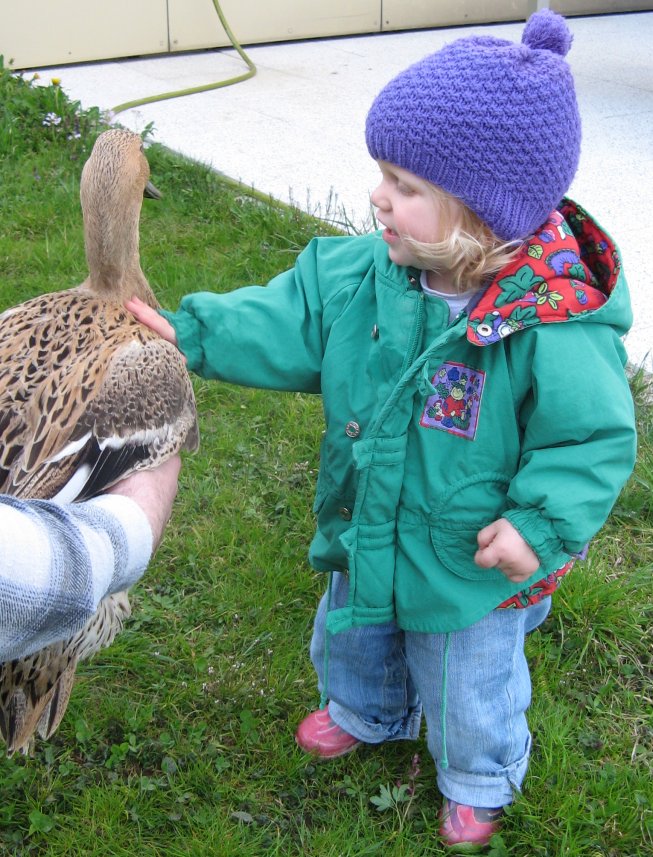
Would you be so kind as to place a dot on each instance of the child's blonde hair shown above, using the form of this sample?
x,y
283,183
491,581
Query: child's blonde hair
x,y
470,250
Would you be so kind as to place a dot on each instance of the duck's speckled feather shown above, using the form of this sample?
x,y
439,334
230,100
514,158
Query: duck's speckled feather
x,y
86,370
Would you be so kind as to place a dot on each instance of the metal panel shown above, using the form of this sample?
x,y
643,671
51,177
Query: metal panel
x,y
41,32
195,24
412,14
593,7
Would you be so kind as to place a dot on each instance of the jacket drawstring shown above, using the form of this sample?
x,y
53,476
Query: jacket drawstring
x,y
324,696
444,762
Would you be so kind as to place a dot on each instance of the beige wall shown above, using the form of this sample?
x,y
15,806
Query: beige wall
x,y
43,32
49,32
195,24
402,15
590,7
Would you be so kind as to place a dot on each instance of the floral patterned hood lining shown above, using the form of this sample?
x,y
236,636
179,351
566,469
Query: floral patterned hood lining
x,y
568,268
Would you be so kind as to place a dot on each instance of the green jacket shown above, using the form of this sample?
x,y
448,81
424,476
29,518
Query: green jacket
x,y
518,408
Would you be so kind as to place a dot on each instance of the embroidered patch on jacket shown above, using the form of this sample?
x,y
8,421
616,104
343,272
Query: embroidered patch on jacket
x,y
456,404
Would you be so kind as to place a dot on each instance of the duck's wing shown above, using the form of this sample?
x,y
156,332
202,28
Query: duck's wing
x,y
87,396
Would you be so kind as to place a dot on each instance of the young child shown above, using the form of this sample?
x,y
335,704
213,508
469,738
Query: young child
x,y
479,424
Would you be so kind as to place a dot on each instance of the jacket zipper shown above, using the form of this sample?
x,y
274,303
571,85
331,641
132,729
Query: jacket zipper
x,y
416,336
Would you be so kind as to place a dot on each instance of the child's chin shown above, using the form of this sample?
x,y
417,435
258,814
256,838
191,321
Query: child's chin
x,y
398,257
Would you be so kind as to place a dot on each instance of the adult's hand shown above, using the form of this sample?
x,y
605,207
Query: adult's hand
x,y
154,491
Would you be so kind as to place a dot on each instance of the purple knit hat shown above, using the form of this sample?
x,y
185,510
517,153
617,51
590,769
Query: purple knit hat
x,y
492,122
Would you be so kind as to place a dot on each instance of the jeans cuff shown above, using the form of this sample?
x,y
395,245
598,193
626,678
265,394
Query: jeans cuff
x,y
489,790
405,729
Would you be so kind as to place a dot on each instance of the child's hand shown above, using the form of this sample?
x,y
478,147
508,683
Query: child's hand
x,y
151,318
501,546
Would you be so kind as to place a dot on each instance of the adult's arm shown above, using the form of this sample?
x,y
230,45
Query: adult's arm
x,y
58,562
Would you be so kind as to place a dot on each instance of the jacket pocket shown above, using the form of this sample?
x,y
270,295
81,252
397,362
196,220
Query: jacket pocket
x,y
465,509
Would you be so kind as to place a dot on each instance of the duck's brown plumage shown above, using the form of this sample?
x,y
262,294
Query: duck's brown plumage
x,y
87,396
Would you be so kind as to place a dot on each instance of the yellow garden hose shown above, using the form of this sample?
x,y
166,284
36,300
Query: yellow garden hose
x,y
193,89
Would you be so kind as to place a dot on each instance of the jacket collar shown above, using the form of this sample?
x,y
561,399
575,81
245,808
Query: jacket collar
x,y
568,268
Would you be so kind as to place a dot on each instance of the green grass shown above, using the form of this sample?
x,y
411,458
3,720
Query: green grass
x,y
179,738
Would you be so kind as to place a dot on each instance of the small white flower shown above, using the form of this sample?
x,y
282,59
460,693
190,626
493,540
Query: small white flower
x,y
51,119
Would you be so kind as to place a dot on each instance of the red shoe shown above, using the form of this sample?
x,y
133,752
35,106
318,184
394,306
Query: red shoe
x,y
468,825
319,735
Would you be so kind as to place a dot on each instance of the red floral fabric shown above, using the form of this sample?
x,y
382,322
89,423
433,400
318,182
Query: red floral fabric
x,y
567,268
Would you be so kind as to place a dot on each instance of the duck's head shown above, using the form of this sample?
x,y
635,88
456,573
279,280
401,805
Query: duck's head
x,y
117,172
114,181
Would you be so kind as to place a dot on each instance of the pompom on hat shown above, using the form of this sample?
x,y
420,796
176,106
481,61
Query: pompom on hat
x,y
492,122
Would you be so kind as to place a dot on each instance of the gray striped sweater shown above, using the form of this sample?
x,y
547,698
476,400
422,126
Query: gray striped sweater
x,y
58,562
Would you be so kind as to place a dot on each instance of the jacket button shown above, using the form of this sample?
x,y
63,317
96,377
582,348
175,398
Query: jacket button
x,y
352,429
345,513
375,331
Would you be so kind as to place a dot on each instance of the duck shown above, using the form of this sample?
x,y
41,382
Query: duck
x,y
88,395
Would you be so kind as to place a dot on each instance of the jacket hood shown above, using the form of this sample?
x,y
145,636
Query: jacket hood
x,y
568,270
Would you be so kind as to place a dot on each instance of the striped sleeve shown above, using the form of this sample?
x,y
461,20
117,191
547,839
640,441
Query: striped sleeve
x,y
58,562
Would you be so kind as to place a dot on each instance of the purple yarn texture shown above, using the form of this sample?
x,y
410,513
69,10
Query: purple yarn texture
x,y
490,121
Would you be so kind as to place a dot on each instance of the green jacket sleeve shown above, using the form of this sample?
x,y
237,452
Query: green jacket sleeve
x,y
579,438
258,336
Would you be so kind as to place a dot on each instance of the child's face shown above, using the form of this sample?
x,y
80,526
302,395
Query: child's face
x,y
407,207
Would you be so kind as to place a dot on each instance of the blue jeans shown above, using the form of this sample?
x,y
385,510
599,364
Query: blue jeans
x,y
473,687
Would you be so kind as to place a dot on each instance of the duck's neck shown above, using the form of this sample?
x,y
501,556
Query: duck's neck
x,y
113,259
111,283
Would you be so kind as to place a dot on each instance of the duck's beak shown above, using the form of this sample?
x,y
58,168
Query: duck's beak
x,y
151,192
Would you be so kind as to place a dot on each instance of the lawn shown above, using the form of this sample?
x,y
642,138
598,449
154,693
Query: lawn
x,y
179,738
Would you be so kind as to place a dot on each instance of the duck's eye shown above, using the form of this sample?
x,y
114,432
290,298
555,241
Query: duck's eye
x,y
142,148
